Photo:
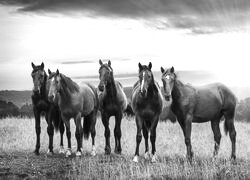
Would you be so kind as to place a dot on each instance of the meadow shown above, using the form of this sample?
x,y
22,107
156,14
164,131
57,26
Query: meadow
x,y
17,160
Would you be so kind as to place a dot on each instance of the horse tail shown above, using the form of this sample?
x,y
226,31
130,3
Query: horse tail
x,y
87,125
91,118
229,106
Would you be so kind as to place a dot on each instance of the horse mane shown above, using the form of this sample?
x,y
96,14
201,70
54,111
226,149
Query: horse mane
x,y
68,85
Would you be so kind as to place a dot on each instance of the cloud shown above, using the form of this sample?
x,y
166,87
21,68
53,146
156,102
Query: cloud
x,y
197,16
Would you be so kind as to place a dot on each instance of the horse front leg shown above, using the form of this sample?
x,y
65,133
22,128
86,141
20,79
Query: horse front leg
x,y
38,131
68,134
78,133
153,138
105,121
62,129
187,134
118,133
138,138
50,131
93,133
145,135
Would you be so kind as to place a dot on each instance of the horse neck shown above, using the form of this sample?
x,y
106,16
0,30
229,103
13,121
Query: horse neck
x,y
152,89
177,89
65,94
111,88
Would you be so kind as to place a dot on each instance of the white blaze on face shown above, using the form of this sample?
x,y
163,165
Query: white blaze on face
x,y
167,77
142,83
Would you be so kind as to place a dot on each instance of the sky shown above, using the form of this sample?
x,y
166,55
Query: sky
x,y
192,35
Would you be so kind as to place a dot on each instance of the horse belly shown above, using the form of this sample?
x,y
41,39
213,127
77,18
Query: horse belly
x,y
208,107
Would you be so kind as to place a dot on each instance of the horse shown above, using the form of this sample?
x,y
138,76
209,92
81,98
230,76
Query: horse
x,y
147,104
113,102
200,104
41,105
75,101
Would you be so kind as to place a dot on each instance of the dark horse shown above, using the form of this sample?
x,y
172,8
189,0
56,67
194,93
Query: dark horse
x,y
41,105
113,102
147,104
75,101
202,104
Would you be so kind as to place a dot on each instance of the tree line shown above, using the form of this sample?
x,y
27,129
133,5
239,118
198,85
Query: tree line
x,y
9,109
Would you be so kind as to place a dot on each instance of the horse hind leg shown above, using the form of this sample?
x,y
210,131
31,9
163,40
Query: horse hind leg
x,y
93,132
118,133
217,135
229,126
78,133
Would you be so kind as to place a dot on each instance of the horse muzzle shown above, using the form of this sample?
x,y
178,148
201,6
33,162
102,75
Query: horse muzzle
x,y
101,88
51,98
167,97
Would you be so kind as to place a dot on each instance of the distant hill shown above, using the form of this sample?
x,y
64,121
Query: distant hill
x,y
196,78
19,98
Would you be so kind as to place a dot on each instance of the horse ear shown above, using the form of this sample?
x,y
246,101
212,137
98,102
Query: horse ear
x,y
162,70
49,71
100,62
42,65
33,65
172,69
57,72
109,63
150,65
140,66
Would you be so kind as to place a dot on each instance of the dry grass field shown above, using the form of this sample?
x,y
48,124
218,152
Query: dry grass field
x,y
17,161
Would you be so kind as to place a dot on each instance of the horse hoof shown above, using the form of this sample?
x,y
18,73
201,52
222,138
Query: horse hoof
x,y
154,159
107,150
118,151
147,155
68,153
233,157
61,150
36,152
135,159
93,153
78,153
49,153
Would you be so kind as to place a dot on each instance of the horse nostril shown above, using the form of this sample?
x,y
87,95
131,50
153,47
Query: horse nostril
x,y
101,87
167,97
51,98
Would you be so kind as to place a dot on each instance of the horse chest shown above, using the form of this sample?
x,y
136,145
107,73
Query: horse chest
x,y
110,105
41,105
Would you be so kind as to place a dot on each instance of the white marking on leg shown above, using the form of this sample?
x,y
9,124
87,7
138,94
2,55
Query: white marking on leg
x,y
61,150
154,158
147,155
78,153
93,152
135,159
49,153
68,152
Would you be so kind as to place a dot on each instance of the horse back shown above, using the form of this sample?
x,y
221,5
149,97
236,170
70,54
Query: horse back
x,y
211,100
